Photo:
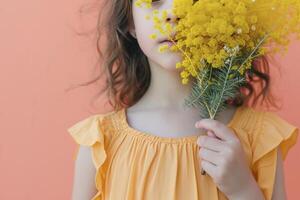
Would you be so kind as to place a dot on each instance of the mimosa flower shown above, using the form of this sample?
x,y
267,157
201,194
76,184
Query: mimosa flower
x,y
220,39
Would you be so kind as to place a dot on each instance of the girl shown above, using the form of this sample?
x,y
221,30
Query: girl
x,y
150,148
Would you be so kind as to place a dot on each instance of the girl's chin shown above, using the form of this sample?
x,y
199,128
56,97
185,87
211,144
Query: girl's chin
x,y
170,58
169,65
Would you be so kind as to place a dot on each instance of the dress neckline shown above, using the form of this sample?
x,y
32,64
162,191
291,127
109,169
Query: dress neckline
x,y
183,139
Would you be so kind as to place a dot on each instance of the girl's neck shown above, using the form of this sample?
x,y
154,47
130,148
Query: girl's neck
x,y
166,93
165,90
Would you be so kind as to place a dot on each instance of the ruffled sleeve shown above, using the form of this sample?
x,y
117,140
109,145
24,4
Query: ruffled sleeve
x,y
88,132
272,133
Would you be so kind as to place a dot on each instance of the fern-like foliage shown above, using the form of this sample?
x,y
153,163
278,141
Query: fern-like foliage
x,y
214,86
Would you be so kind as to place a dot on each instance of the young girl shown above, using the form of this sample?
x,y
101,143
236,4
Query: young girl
x,y
152,148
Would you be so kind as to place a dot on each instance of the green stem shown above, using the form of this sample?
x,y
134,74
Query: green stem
x,y
218,104
181,50
260,42
209,111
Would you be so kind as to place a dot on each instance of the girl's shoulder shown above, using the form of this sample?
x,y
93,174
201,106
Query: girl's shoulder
x,y
94,128
95,131
262,134
266,130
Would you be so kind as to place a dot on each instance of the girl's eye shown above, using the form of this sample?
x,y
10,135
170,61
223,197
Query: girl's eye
x,y
155,1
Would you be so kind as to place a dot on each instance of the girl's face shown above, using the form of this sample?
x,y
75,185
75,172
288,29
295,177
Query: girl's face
x,y
143,28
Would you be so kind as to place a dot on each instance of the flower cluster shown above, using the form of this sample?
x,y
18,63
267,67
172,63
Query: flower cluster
x,y
208,29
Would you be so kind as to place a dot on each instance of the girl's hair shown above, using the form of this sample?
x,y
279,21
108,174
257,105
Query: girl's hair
x,y
127,69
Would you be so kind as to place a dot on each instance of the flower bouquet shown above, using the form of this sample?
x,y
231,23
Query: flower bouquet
x,y
220,39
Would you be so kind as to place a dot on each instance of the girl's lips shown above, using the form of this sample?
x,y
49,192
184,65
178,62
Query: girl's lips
x,y
170,43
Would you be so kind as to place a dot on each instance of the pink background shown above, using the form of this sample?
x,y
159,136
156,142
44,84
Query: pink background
x,y
41,56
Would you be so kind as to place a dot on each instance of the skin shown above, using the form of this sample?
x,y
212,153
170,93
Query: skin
x,y
279,187
84,175
163,102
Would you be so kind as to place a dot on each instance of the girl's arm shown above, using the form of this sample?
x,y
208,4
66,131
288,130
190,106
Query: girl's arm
x,y
84,176
279,187
279,193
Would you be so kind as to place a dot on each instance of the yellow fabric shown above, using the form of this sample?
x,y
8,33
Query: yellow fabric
x,y
134,165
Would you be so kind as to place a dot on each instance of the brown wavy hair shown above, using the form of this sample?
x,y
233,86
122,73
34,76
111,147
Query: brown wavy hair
x,y
127,69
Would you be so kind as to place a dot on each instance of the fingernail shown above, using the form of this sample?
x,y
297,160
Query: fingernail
x,y
210,133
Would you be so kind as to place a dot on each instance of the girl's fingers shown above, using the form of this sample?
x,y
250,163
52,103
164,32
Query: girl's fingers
x,y
211,134
219,129
210,156
208,167
211,143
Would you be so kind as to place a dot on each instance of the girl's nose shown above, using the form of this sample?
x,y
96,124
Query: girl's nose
x,y
171,18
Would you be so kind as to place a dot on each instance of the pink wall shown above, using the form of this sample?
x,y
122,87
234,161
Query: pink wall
x,y
40,57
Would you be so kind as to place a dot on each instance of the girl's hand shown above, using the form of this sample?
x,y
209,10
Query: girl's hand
x,y
223,158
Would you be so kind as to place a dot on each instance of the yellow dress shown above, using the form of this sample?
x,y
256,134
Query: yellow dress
x,y
134,165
